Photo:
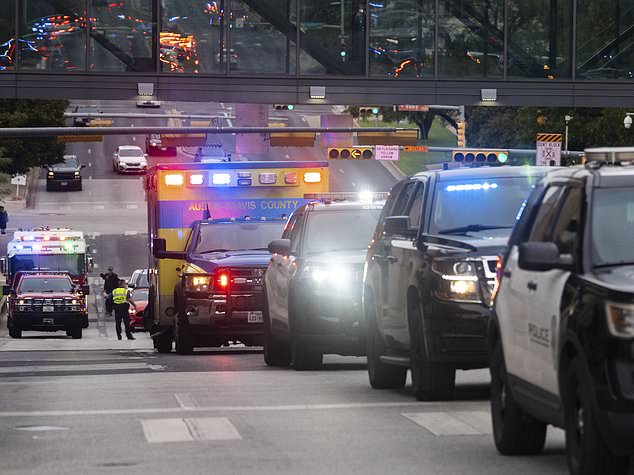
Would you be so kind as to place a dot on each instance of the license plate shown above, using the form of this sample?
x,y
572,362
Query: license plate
x,y
63,183
49,321
255,317
48,308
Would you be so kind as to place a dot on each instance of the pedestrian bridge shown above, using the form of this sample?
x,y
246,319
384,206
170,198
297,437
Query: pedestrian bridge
x,y
508,52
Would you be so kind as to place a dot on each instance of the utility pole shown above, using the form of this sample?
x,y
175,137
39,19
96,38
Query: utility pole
x,y
568,118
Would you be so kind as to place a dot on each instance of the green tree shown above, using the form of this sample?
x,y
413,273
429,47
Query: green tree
x,y
18,155
517,127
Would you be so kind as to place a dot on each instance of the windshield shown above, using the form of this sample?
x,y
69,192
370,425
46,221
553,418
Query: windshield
x,y
140,279
130,152
340,230
42,284
72,263
471,206
613,226
140,294
237,236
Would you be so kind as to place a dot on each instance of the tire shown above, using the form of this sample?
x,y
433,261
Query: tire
x,y
276,353
182,336
304,357
15,331
381,375
586,451
80,187
430,381
163,342
76,332
515,432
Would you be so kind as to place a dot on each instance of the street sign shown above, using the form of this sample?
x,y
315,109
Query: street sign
x,y
19,180
413,108
416,148
548,150
387,152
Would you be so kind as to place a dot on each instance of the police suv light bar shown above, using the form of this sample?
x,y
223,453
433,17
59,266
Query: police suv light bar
x,y
612,155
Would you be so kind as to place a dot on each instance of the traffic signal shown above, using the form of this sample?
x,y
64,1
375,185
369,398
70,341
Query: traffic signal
x,y
283,107
481,156
351,153
366,111
460,133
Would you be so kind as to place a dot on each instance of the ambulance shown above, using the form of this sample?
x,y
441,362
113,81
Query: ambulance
x,y
209,227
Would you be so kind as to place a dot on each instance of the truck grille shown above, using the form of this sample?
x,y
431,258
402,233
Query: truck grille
x,y
64,176
246,280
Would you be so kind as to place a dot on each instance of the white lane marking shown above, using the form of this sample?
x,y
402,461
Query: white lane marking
x,y
94,251
167,410
78,367
353,184
132,206
212,428
89,152
287,156
89,164
130,233
99,207
90,179
341,170
443,423
166,430
479,420
185,400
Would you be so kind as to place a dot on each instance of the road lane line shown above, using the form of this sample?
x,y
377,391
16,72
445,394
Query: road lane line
x,y
479,420
442,423
69,368
132,206
185,400
166,430
341,170
167,410
212,428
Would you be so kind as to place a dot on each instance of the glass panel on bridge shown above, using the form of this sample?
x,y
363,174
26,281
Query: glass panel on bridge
x,y
121,36
540,39
332,37
471,39
402,39
262,36
192,37
7,36
605,39
53,35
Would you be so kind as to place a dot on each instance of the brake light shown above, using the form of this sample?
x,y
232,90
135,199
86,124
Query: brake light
x,y
290,178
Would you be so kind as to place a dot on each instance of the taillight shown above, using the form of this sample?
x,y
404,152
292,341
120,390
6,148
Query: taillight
x,y
223,280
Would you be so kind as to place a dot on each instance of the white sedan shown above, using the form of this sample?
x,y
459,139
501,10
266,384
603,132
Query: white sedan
x,y
129,159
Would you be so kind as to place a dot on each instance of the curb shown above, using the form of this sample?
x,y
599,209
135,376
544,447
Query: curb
x,y
393,170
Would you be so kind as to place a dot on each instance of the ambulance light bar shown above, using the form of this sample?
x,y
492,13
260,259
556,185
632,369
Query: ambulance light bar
x,y
365,196
234,178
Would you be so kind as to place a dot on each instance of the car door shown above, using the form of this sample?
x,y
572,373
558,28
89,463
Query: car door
x,y
548,288
514,302
393,248
278,275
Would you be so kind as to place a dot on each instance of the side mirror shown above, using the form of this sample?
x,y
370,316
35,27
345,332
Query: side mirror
x,y
542,256
132,286
85,289
159,251
396,226
6,290
280,246
82,166
145,155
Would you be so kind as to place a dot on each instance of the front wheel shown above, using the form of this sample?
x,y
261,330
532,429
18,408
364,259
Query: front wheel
x,y
276,353
15,331
515,432
182,336
76,332
163,342
304,357
431,381
586,451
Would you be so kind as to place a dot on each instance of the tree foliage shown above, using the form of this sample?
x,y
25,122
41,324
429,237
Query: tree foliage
x,y
18,155
517,127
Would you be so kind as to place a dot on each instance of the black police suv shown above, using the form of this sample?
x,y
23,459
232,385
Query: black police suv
x,y
561,332
219,296
313,284
430,271
65,175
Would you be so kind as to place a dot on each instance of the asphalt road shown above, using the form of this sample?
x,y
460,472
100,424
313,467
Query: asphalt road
x,y
98,405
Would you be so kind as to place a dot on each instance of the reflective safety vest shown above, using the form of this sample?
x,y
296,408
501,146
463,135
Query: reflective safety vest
x,y
119,296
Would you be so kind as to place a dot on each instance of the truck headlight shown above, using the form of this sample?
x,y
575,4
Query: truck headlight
x,y
458,281
336,276
620,319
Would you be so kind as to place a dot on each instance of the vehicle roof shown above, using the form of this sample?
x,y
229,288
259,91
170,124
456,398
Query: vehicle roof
x,y
486,172
236,165
129,147
46,276
344,205
605,175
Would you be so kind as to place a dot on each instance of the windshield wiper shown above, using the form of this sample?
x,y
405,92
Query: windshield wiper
x,y
471,228
209,251
613,264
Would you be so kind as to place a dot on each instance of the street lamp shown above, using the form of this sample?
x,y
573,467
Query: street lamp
x,y
568,118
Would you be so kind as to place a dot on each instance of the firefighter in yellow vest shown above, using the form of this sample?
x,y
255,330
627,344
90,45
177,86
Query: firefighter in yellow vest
x,y
121,301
